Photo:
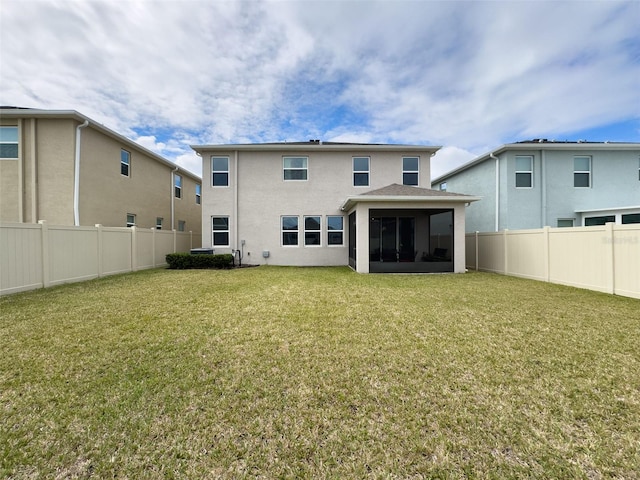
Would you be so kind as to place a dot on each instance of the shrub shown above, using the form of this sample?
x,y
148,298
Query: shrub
x,y
185,261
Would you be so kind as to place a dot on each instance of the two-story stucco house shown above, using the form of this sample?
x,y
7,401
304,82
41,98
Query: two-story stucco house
x,y
313,203
539,183
63,167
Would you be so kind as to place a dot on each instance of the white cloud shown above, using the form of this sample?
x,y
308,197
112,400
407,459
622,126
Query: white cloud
x,y
467,75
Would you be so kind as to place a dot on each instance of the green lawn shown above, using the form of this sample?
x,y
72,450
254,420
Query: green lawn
x,y
318,373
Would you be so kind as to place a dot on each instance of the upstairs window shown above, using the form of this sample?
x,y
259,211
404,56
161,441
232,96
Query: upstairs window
x,y
289,231
335,230
8,142
198,194
312,231
410,170
524,171
177,185
360,171
131,219
220,171
220,226
159,221
582,172
181,225
125,162
295,168
443,187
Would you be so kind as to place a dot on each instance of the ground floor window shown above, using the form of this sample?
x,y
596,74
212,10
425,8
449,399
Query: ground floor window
x,y
335,230
312,231
289,225
590,221
220,227
631,218
565,222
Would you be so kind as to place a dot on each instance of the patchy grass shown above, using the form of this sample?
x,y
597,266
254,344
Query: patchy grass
x,y
318,373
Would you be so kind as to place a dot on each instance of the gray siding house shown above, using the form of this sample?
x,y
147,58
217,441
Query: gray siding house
x,y
314,203
539,183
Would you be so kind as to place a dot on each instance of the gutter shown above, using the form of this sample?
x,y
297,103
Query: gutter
x,y
76,180
173,198
497,224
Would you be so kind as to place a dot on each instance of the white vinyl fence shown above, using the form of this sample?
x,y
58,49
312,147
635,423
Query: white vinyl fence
x,y
41,255
603,258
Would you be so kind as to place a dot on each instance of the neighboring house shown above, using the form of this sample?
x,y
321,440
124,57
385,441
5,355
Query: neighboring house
x,y
63,167
539,183
315,203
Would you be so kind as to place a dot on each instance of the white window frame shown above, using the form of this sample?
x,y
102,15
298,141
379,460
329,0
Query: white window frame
x,y
289,230
286,169
407,171
125,160
131,219
524,172
159,221
331,230
215,172
215,230
4,141
559,220
582,171
198,194
177,185
443,187
361,172
317,232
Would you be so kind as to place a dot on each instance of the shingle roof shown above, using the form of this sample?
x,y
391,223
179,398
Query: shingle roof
x,y
396,190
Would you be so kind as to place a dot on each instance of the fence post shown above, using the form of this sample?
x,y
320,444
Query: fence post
x,y
609,228
100,253
44,230
153,247
477,250
546,253
505,251
134,249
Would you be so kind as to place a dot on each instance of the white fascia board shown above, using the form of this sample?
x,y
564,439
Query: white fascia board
x,y
351,201
611,209
302,147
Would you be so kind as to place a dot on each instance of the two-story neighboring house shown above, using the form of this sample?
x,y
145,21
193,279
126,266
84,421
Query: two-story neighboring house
x,y
63,167
314,203
539,183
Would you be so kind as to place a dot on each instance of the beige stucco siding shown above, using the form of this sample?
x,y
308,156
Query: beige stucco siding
x,y
9,191
264,197
55,144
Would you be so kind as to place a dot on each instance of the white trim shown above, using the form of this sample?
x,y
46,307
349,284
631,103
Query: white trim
x,y
318,231
285,169
213,232
530,171
417,172
213,172
283,231
354,171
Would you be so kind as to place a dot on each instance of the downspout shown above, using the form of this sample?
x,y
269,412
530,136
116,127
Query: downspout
x,y
235,205
497,190
543,187
76,182
173,198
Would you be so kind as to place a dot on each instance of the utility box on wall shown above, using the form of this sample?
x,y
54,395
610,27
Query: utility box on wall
x,y
265,254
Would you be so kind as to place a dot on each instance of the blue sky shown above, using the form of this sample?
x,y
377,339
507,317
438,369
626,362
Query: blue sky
x,y
468,76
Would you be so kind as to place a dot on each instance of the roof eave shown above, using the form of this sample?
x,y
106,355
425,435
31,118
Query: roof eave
x,y
297,147
353,200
